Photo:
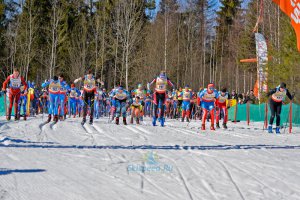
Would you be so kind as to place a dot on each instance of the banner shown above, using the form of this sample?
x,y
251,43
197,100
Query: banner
x,y
292,9
262,60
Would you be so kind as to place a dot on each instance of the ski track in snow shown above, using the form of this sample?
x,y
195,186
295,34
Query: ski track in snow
x,y
70,161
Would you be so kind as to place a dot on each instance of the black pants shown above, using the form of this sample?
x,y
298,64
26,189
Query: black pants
x,y
179,103
159,97
88,97
275,110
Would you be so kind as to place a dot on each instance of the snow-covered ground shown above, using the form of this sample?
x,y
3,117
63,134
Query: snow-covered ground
x,y
104,161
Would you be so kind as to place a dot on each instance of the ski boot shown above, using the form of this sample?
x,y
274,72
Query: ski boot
x,y
277,130
74,116
218,125
65,117
8,118
188,119
203,127
131,120
117,120
224,125
91,121
141,119
49,118
162,121
124,121
17,117
61,118
270,129
56,118
137,120
154,121
25,118
83,121
212,128
182,119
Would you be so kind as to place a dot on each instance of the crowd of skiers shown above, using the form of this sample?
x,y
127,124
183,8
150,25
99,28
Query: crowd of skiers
x,y
59,100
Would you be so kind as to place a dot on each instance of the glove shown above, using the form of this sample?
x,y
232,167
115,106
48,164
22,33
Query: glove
x,y
293,95
76,80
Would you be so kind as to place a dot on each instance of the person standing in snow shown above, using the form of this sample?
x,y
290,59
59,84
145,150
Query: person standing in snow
x,y
277,96
14,81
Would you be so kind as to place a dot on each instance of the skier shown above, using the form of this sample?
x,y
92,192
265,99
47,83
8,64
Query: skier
x,y
121,99
73,99
104,101
148,101
54,92
44,100
97,102
62,96
277,96
159,96
22,103
221,106
174,104
186,98
89,91
14,80
136,108
208,97
141,93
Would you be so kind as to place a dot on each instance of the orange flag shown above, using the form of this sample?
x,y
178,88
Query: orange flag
x,y
292,9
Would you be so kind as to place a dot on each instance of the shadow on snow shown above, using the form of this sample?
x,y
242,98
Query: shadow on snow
x,y
10,171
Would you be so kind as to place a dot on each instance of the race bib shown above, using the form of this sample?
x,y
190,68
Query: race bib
x,y
279,96
55,87
73,93
15,82
161,84
222,99
89,83
121,96
209,97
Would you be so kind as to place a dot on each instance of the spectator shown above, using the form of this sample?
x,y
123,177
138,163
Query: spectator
x,y
234,95
241,98
250,98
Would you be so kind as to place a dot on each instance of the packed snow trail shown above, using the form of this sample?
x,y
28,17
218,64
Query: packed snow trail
x,y
178,161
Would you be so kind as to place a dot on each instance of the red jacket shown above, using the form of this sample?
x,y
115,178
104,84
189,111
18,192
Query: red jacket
x,y
14,84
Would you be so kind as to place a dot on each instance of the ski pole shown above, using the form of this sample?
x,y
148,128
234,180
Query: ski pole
x,y
266,116
5,106
291,115
248,113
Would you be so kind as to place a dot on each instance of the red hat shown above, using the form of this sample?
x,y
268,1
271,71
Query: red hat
x,y
210,85
72,85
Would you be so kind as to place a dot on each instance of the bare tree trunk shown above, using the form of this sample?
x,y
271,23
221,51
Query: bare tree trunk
x,y
210,61
178,50
29,42
221,61
244,81
54,38
102,50
166,39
